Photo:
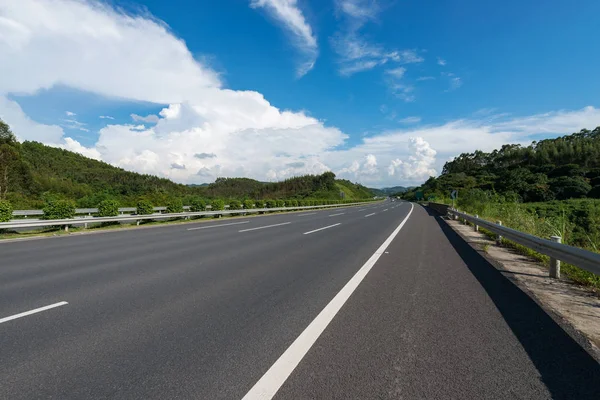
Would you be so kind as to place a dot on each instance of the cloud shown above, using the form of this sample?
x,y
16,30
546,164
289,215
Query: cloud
x,y
410,120
359,10
200,119
74,124
73,145
292,18
425,78
24,127
203,156
406,57
418,166
105,117
398,86
127,56
454,81
70,113
396,72
177,166
151,119
361,169
355,52
358,66
441,61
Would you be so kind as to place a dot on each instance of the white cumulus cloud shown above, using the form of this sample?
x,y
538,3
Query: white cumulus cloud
x,y
420,163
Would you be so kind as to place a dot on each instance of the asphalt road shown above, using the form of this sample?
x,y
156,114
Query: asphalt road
x,y
230,309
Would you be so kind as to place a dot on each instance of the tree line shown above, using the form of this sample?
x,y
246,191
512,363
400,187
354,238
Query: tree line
x,y
567,167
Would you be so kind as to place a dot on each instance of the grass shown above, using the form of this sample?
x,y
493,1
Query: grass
x,y
577,222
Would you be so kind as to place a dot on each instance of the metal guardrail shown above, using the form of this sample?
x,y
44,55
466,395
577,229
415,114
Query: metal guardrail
x,y
581,258
79,211
24,223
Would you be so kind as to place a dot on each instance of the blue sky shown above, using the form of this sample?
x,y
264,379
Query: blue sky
x,y
381,92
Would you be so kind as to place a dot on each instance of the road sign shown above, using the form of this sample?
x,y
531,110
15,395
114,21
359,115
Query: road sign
x,y
453,194
419,195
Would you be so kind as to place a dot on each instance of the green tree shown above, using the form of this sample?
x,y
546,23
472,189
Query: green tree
x,y
59,209
566,187
175,206
108,208
217,205
144,207
197,205
6,211
9,155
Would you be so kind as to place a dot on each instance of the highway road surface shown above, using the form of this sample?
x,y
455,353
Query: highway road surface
x,y
380,301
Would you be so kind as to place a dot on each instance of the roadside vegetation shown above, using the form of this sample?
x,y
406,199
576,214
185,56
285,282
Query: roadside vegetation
x,y
551,187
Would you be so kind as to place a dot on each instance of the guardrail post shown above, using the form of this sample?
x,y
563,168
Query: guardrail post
x,y
499,238
554,263
475,226
137,222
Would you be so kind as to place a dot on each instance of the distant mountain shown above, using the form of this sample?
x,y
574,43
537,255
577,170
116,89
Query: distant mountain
x,y
388,191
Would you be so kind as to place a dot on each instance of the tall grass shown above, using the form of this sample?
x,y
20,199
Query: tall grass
x,y
577,222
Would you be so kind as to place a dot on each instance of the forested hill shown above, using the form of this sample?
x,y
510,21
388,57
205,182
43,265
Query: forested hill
x,y
31,173
562,168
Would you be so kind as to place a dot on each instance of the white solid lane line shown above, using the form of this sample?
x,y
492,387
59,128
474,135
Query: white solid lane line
x,y
320,229
37,310
274,378
368,215
362,209
303,215
216,226
263,227
335,215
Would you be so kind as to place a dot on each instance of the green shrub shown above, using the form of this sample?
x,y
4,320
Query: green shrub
x,y
108,208
235,205
59,209
175,206
280,203
217,205
260,203
144,207
197,204
292,203
248,204
6,211
271,204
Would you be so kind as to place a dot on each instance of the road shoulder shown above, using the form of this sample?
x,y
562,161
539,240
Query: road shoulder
x,y
573,307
